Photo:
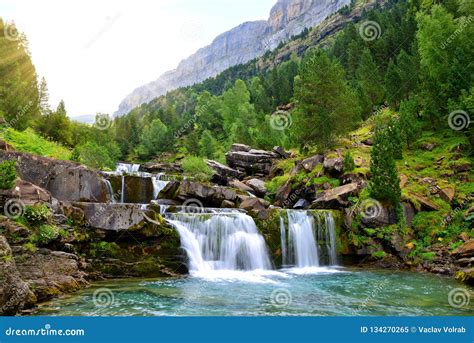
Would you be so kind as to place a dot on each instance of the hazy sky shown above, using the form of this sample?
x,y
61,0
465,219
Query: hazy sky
x,y
93,53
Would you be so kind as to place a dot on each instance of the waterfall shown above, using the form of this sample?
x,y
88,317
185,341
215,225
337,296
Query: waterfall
x,y
158,184
284,255
330,238
306,242
127,168
221,240
122,192
110,190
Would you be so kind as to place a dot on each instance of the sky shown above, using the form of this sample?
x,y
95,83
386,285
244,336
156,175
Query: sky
x,y
93,53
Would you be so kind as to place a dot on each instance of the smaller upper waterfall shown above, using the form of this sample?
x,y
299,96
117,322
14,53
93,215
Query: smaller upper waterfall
x,y
127,168
223,240
306,241
159,183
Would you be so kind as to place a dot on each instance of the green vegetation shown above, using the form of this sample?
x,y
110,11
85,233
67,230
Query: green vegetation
x,y
32,142
7,174
197,168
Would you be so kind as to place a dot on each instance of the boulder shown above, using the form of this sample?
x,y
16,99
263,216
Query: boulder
x,y
447,194
15,293
227,204
254,204
408,213
310,163
112,217
224,171
27,192
466,276
211,196
425,203
159,167
240,147
258,187
66,181
336,198
50,273
240,186
283,193
333,166
375,215
466,250
280,151
301,204
170,191
252,162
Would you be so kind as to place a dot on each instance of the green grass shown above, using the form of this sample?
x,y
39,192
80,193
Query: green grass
x,y
29,141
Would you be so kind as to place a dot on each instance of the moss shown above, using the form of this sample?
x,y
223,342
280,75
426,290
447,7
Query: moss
x,y
379,254
277,182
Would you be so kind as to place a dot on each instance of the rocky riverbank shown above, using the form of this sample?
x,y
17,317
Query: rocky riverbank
x,y
62,228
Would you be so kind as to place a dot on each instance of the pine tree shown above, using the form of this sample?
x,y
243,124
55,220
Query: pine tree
x,y
408,121
325,105
369,79
392,85
384,183
208,146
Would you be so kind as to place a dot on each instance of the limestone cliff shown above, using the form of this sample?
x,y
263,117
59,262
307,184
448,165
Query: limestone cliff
x,y
239,45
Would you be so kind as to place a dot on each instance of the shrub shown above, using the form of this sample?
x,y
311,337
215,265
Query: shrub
x,y
349,164
7,174
46,233
37,214
196,167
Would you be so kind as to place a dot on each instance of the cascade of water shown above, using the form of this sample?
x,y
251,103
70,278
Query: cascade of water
x,y
110,190
158,184
308,239
122,191
284,256
301,238
223,240
330,238
127,168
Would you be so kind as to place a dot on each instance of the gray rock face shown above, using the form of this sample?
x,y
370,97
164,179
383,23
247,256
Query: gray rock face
x,y
112,217
252,162
239,45
66,181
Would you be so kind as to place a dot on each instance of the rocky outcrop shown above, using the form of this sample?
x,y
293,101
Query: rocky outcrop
x,y
336,198
160,167
27,192
224,172
66,181
237,46
310,163
254,204
252,162
334,166
257,186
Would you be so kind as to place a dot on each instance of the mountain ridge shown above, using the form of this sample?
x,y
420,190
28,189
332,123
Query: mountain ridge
x,y
239,45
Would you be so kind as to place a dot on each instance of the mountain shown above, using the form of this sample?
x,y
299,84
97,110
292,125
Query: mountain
x,y
239,45
86,118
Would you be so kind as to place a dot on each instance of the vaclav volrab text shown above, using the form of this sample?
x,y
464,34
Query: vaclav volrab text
x,y
444,329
